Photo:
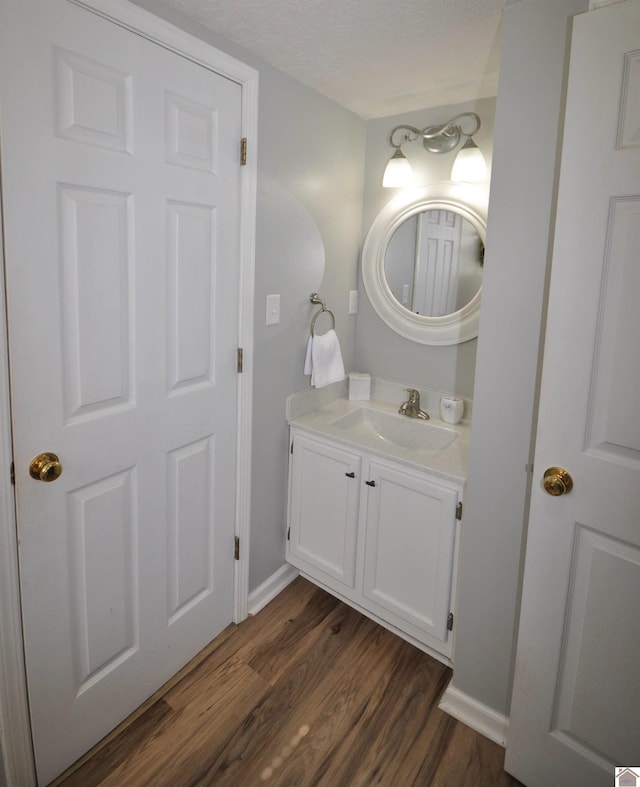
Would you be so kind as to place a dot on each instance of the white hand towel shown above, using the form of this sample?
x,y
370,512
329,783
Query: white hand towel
x,y
308,364
324,359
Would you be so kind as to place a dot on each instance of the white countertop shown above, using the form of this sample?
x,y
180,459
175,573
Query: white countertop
x,y
450,462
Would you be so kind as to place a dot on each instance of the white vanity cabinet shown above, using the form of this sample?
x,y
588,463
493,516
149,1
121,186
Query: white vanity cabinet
x,y
380,534
408,551
324,482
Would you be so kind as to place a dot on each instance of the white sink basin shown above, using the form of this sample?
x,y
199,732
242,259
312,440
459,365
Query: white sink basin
x,y
412,433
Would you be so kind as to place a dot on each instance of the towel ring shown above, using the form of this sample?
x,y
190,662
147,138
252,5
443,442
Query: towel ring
x,y
322,311
315,298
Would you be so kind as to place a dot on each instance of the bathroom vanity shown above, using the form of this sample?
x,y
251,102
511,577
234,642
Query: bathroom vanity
x,y
375,497
375,502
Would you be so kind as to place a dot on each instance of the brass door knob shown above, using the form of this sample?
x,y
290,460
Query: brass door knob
x,y
45,467
557,481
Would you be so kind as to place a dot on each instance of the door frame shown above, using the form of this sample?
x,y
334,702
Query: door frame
x,y
16,751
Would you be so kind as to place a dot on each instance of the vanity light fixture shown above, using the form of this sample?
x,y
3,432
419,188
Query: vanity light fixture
x,y
468,166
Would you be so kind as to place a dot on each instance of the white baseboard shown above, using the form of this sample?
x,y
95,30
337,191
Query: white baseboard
x,y
475,714
270,588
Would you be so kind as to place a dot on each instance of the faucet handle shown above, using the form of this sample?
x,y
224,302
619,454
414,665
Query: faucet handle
x,y
414,396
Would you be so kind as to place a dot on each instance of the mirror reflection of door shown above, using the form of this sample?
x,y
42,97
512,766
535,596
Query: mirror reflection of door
x,y
433,263
435,288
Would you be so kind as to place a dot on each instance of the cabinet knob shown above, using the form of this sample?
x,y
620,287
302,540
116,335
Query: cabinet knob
x,y
350,475
370,483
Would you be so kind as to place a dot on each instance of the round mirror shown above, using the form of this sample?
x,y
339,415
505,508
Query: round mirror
x,y
422,263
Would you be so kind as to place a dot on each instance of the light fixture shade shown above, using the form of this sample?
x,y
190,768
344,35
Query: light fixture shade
x,y
398,171
469,165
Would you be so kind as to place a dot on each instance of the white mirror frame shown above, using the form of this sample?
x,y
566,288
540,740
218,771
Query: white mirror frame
x,y
469,202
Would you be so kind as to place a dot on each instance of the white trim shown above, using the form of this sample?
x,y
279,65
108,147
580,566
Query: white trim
x,y
476,715
17,766
593,4
271,587
151,27
248,186
16,756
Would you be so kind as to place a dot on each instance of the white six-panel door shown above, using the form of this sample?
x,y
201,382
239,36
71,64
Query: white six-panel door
x,y
121,198
576,700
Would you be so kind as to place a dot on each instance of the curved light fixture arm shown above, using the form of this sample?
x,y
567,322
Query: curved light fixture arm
x,y
452,128
412,134
437,139
442,139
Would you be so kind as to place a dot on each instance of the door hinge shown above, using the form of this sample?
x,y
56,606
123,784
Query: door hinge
x,y
288,534
236,547
450,622
459,511
12,473
239,360
292,447
243,151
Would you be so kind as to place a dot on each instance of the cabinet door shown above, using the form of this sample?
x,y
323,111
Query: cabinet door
x,y
323,510
410,536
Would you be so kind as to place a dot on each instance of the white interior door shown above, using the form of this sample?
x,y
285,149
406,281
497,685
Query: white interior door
x,y
576,700
121,199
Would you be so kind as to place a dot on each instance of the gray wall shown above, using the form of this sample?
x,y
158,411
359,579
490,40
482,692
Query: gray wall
x,y
379,350
312,151
521,210
310,172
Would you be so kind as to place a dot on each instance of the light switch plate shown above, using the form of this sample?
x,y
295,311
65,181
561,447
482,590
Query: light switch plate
x,y
273,310
353,301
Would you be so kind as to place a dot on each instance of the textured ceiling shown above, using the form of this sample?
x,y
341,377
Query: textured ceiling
x,y
375,57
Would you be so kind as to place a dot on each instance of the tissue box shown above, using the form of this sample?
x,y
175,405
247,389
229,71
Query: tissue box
x,y
359,387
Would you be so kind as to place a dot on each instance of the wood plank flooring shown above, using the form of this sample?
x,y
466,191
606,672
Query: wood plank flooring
x,y
307,692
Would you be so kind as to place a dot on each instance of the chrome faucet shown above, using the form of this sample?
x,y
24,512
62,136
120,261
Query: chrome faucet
x,y
411,407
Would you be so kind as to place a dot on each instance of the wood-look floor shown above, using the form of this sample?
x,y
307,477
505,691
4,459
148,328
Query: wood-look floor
x,y
307,692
